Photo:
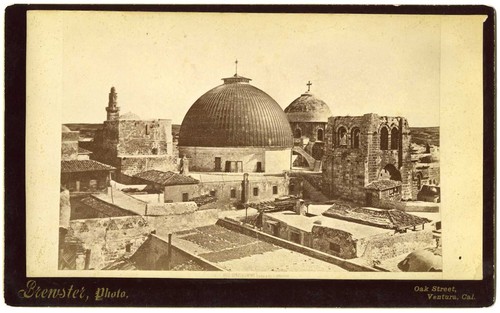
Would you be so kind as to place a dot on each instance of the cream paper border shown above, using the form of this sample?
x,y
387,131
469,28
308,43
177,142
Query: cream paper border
x,y
461,112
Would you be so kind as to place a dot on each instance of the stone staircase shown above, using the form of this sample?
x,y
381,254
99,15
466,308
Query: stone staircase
x,y
314,165
313,192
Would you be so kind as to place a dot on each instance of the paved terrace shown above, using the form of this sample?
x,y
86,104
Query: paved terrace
x,y
237,252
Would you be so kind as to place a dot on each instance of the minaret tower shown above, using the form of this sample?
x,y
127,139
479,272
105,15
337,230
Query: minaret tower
x,y
112,108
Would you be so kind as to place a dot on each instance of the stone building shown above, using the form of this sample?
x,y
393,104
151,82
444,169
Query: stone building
x,y
308,117
380,191
78,173
132,144
230,189
236,127
352,232
364,149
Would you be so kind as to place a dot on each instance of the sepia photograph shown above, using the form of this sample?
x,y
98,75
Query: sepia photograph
x,y
235,144
173,159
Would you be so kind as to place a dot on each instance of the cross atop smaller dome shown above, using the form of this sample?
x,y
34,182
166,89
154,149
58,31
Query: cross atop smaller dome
x,y
308,108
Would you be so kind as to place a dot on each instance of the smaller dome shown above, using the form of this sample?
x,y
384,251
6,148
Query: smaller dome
x,y
130,116
65,129
308,108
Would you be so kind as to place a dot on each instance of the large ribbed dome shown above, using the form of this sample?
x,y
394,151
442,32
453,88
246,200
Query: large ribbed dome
x,y
235,114
308,108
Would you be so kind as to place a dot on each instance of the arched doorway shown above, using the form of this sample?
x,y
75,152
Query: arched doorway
x,y
390,172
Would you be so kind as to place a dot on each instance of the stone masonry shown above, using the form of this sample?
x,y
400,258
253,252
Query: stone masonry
x,y
355,155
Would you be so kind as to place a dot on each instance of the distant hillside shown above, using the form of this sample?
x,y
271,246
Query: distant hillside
x,y
419,135
423,135
87,130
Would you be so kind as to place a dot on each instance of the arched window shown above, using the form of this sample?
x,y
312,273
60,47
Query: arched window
x,y
342,136
394,138
320,134
355,137
384,138
297,133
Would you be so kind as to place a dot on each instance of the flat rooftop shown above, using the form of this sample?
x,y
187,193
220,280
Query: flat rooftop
x,y
237,252
358,231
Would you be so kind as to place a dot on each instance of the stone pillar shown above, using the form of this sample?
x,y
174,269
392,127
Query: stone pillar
x,y
245,190
184,165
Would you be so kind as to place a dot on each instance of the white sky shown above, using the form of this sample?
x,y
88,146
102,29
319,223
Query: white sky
x,y
160,63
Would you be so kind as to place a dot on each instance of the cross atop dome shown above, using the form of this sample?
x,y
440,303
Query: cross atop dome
x,y
309,84
236,78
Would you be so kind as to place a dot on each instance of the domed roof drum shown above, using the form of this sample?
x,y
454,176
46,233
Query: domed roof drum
x,y
308,108
235,114
130,116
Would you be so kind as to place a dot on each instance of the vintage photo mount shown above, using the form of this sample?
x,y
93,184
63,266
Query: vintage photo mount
x,y
228,292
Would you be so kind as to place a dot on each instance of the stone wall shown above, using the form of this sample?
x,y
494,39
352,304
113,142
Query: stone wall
x,y
136,164
145,137
168,224
202,159
107,238
386,246
324,237
171,208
